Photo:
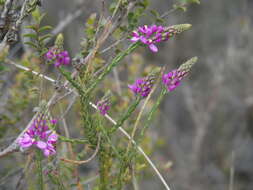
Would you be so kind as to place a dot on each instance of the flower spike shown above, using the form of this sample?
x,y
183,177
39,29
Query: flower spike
x,y
39,135
173,78
150,35
143,86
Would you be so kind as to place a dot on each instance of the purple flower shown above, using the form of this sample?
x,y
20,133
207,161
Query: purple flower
x,y
150,35
54,121
26,141
49,150
103,106
41,136
50,54
142,86
62,59
173,79
59,58
52,138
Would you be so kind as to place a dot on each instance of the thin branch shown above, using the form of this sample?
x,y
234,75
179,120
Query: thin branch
x,y
134,181
167,13
65,95
4,179
69,106
112,45
33,72
14,146
28,162
117,80
232,172
116,9
93,178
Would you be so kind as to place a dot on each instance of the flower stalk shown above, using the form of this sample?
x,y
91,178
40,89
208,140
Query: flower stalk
x,y
39,169
126,115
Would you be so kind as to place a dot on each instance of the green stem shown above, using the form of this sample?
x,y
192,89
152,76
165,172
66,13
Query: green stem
x,y
71,80
107,137
89,124
39,169
57,181
126,115
105,164
114,63
120,178
152,112
70,140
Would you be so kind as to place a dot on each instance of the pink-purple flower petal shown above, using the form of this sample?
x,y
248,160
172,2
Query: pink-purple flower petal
x,y
150,35
153,48
41,144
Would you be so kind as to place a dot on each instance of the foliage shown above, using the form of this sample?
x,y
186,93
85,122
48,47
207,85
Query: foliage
x,y
87,78
38,36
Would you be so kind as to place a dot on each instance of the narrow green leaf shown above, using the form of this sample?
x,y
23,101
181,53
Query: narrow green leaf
x,y
45,28
180,7
91,20
44,37
32,27
43,51
31,44
154,13
126,115
36,15
30,35
195,1
74,83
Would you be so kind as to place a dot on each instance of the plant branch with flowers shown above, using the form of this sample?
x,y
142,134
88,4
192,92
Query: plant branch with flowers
x,y
84,76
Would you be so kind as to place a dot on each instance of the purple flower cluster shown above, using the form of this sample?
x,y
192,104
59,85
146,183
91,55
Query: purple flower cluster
x,y
41,136
150,35
103,106
173,79
59,58
142,86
